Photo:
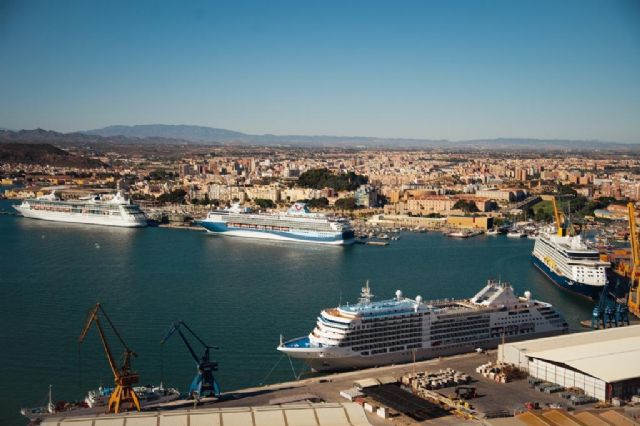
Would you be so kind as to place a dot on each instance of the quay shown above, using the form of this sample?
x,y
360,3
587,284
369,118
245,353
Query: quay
x,y
285,402
180,226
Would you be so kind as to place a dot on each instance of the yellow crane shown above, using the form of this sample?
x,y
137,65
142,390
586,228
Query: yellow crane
x,y
123,376
634,289
562,230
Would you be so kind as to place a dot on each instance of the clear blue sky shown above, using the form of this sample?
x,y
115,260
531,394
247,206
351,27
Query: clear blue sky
x,y
425,69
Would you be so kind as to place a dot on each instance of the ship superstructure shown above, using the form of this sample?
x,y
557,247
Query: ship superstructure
x,y
297,224
401,329
94,210
569,263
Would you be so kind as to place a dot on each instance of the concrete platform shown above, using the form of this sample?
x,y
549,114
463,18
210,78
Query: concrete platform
x,y
493,396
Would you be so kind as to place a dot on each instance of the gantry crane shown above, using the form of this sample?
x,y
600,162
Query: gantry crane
x,y
123,376
634,289
203,384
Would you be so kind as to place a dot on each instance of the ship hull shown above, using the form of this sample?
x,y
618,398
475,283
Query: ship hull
x,y
220,228
320,360
81,218
584,290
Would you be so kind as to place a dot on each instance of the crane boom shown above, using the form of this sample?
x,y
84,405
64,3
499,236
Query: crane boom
x,y
633,301
123,376
93,316
633,236
556,214
204,384
176,327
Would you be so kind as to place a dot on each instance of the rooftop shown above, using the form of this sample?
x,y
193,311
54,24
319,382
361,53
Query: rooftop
x,y
610,354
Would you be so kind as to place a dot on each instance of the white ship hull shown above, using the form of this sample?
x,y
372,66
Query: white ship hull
x,y
278,237
82,218
326,359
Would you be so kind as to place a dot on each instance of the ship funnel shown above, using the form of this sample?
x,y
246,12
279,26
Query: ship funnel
x,y
398,294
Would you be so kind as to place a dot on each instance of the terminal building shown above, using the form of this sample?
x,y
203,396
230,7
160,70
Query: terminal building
x,y
603,363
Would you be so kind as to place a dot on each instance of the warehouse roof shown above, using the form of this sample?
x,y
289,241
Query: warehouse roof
x,y
299,415
610,355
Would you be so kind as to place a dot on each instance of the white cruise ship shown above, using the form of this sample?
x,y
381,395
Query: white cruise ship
x,y
297,224
94,210
400,330
570,264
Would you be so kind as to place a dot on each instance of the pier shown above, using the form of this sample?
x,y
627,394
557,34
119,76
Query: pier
x,y
493,399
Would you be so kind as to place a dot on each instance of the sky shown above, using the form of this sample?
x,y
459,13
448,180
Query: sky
x,y
457,69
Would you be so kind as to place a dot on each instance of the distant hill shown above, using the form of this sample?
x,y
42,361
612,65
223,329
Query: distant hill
x,y
44,154
75,138
163,134
182,132
207,135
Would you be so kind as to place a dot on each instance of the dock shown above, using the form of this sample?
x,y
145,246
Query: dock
x,y
377,243
185,227
330,390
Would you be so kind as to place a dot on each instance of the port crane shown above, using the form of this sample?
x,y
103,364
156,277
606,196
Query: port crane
x,y
204,383
634,279
560,223
123,376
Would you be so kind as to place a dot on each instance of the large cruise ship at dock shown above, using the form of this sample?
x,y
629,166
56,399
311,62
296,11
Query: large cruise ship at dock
x,y
94,210
297,225
398,330
570,264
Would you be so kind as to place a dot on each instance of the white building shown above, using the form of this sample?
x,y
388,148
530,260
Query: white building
x,y
603,363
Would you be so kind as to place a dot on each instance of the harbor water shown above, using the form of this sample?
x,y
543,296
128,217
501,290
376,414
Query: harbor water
x,y
237,294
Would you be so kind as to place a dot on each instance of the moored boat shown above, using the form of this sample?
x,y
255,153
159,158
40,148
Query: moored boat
x,y
95,402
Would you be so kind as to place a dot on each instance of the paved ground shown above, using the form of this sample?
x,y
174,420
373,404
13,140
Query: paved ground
x,y
493,396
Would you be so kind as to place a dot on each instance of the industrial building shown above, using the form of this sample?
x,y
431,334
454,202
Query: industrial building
x,y
602,363
327,414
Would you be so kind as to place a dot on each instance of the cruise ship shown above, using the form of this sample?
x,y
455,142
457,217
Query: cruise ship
x,y
297,224
368,333
94,210
570,264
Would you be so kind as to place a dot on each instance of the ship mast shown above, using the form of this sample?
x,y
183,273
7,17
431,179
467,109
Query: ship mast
x,y
365,294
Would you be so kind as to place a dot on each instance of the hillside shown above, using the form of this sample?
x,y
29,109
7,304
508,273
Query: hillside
x,y
208,135
44,154
161,134
182,132
75,138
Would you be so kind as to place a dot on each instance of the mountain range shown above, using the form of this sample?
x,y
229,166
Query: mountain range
x,y
200,134
186,134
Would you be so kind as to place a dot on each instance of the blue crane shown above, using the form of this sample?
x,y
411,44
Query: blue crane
x,y
204,384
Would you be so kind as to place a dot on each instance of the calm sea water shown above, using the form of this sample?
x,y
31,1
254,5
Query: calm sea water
x,y
237,294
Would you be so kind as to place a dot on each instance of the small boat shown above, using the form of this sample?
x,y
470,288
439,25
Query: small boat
x,y
96,401
458,234
516,233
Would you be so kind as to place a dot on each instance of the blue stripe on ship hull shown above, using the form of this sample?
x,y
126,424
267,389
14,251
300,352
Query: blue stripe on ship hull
x,y
590,291
221,228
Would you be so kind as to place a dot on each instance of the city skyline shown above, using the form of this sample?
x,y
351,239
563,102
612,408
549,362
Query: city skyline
x,y
454,71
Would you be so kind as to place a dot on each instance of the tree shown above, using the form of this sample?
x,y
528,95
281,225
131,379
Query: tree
x,y
542,215
348,203
323,178
466,206
317,202
263,203
175,197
